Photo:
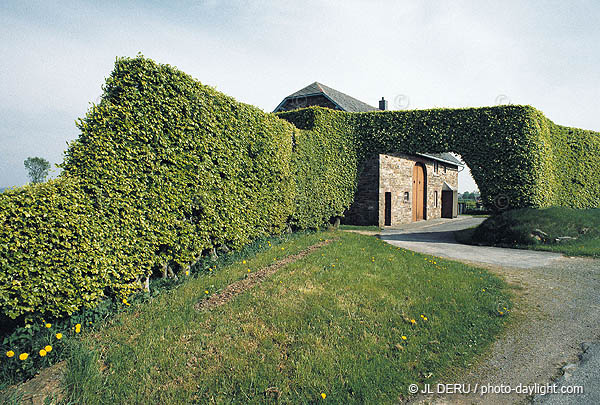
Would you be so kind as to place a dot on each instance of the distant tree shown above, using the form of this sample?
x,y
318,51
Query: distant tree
x,y
38,168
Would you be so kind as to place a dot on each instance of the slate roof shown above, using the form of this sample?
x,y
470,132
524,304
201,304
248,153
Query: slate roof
x,y
342,100
444,157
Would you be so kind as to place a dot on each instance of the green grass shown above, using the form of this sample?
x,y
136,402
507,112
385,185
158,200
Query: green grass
x,y
360,228
329,323
465,236
514,229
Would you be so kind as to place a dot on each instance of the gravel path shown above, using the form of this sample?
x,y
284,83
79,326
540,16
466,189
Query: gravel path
x,y
556,309
585,374
436,237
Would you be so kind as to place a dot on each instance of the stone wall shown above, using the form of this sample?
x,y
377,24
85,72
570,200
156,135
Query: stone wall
x,y
365,208
395,176
393,173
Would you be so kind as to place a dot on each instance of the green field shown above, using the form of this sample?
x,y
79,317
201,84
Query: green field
x,y
356,321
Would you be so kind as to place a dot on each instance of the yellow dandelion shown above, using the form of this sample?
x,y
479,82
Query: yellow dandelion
x,y
23,356
10,353
323,395
187,272
248,270
42,353
59,336
78,328
243,262
403,337
333,265
48,325
48,349
282,248
413,321
424,318
483,289
206,292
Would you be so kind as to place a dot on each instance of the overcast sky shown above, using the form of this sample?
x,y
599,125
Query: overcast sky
x,y
55,56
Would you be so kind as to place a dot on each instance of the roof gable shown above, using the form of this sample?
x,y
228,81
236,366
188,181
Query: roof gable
x,y
342,100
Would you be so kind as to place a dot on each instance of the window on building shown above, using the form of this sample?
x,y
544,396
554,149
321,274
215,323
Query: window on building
x,y
435,199
445,168
406,196
436,166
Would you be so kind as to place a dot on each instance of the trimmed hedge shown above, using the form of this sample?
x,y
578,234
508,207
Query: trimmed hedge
x,y
49,254
167,169
569,167
517,156
324,164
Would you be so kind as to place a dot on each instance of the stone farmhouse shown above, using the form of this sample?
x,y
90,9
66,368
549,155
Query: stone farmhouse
x,y
393,188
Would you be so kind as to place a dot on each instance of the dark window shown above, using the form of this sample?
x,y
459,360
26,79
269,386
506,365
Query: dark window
x,y
435,199
445,168
406,196
436,167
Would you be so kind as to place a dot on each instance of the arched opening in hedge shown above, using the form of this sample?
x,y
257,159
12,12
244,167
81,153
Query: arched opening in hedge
x,y
166,169
517,157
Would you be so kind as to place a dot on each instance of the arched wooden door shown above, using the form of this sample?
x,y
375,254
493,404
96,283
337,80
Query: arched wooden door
x,y
418,202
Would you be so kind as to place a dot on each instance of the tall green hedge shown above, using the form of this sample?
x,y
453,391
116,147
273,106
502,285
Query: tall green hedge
x,y
569,167
324,164
166,169
517,156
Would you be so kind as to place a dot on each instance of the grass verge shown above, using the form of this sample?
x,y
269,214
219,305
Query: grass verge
x,y
356,321
521,229
371,228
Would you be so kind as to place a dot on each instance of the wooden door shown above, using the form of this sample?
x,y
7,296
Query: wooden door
x,y
418,205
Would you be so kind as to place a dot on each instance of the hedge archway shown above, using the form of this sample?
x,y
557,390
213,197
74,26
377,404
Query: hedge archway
x,y
167,169
517,157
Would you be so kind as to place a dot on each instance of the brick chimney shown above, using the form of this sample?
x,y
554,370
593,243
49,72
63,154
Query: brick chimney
x,y
383,104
